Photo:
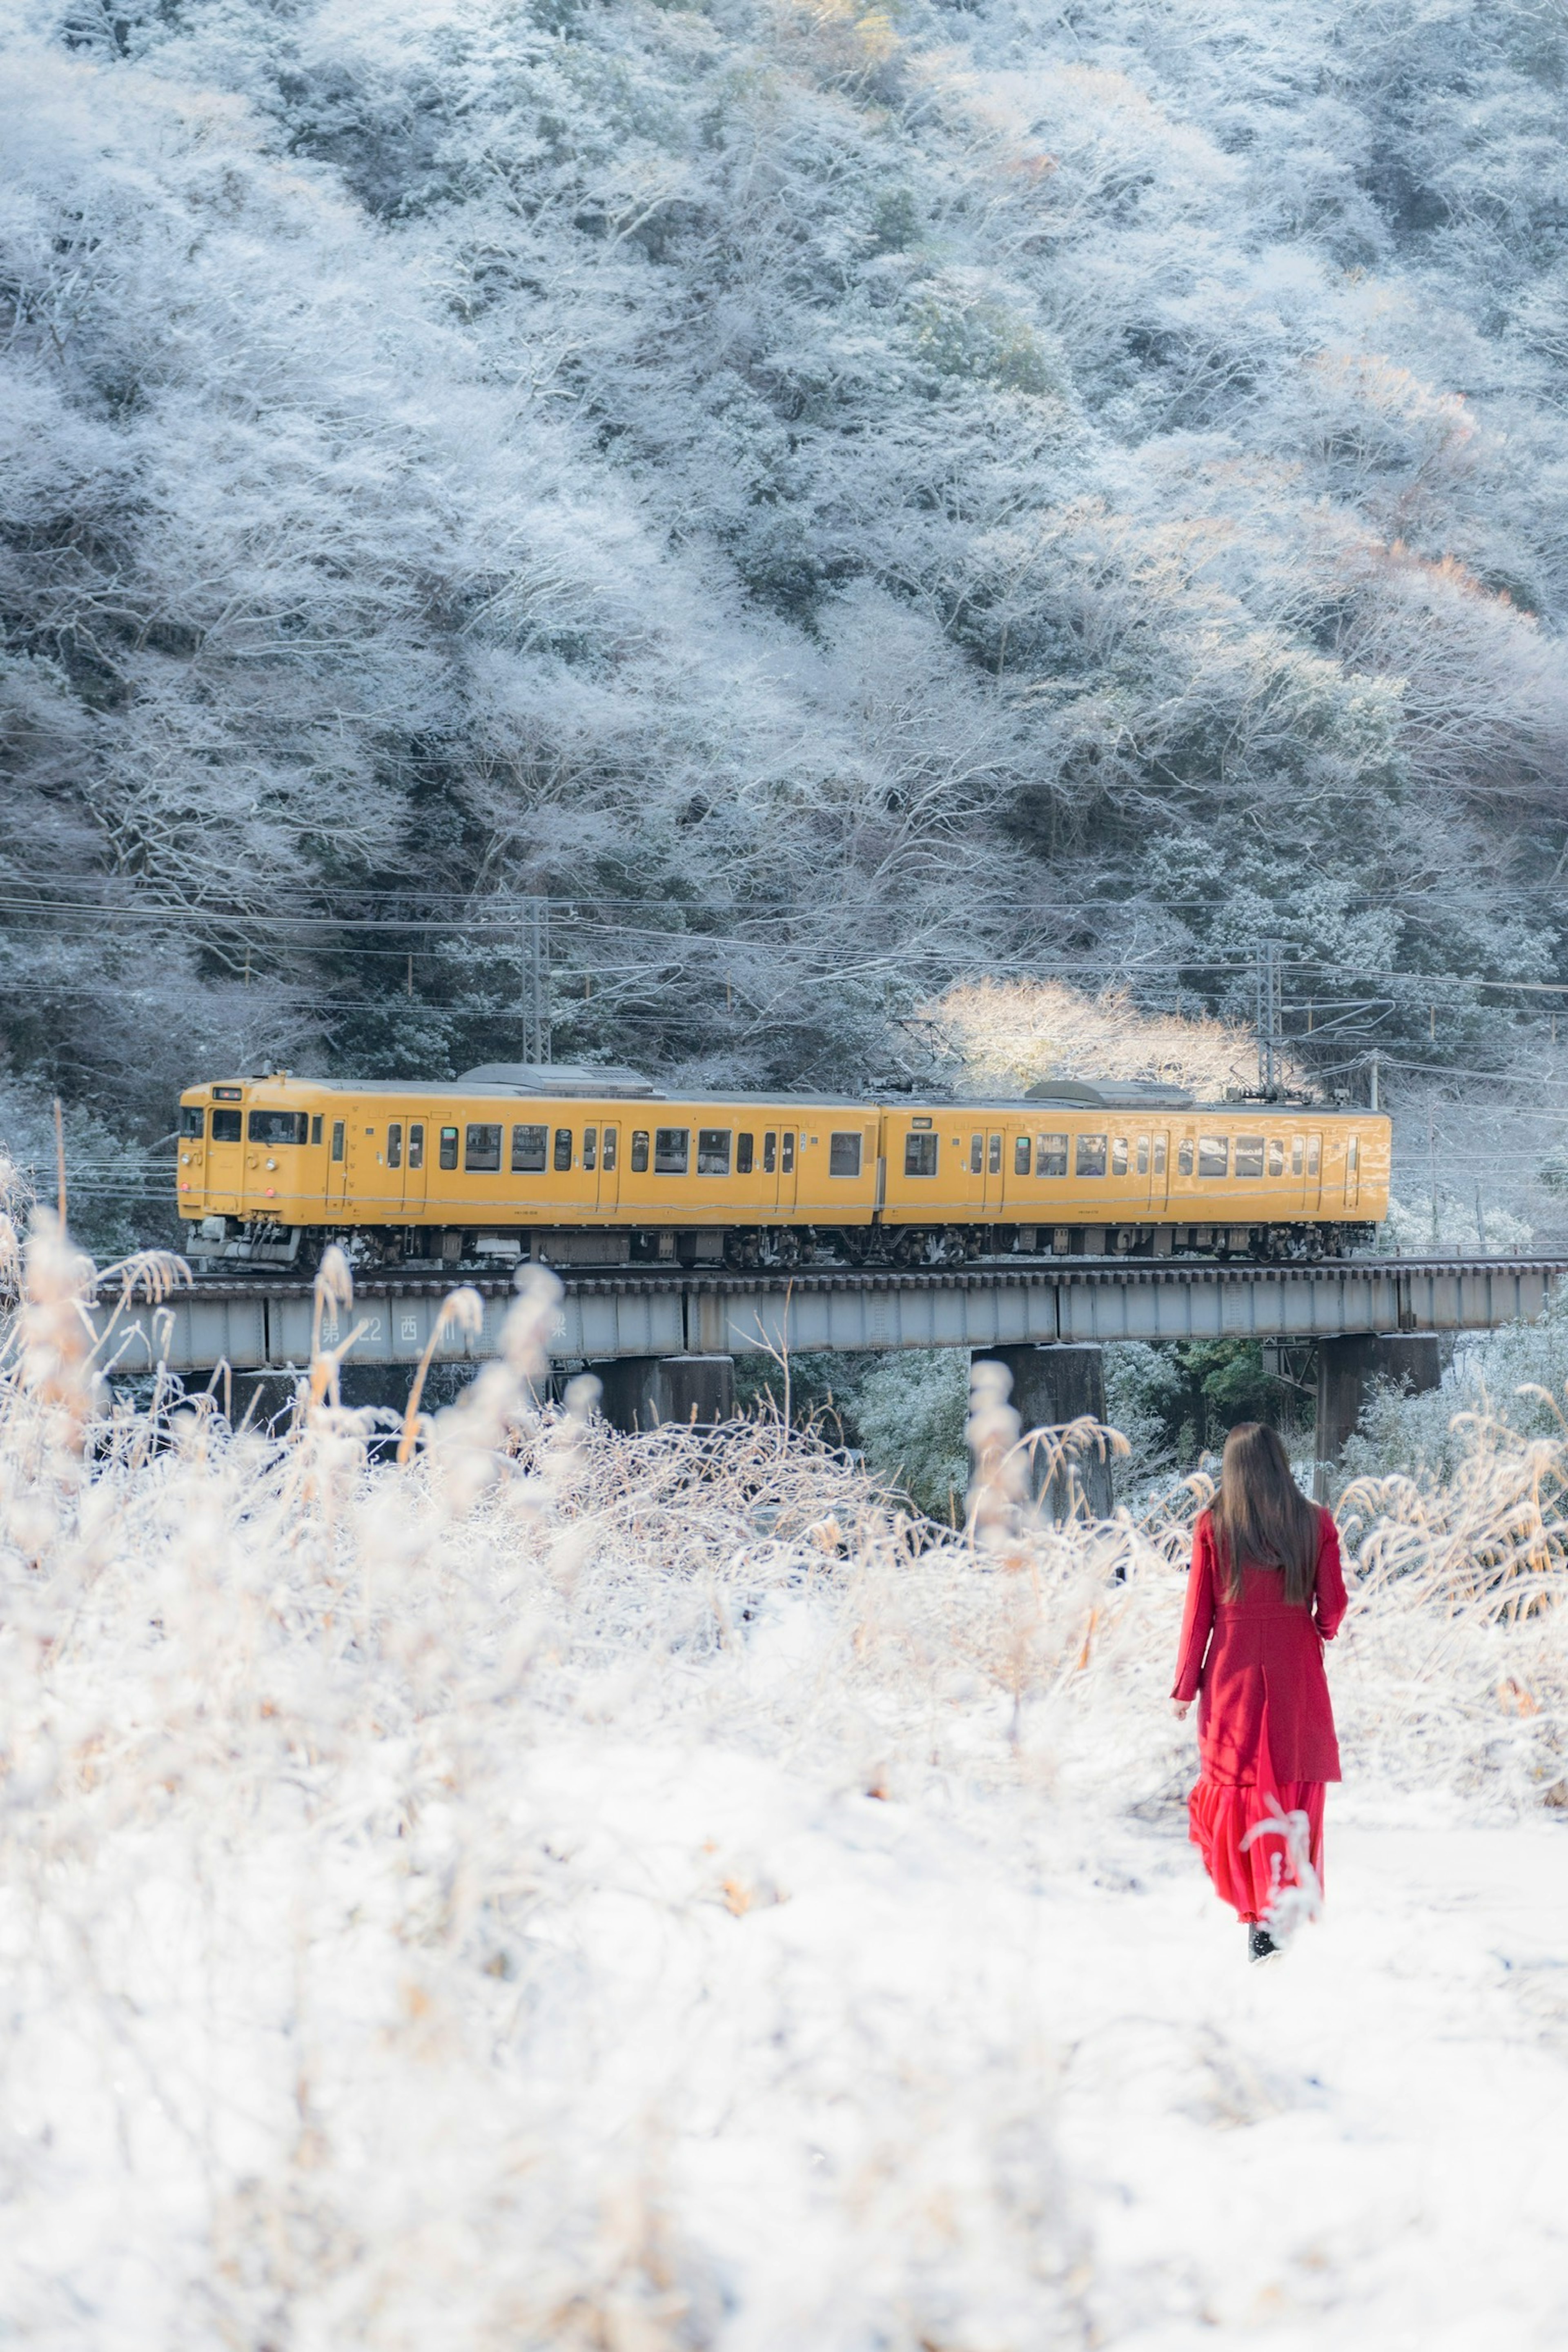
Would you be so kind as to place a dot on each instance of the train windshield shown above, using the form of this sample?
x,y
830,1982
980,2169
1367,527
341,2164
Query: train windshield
x,y
274,1127
193,1120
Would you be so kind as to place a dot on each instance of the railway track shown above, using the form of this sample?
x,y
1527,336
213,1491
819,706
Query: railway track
x,y
258,1321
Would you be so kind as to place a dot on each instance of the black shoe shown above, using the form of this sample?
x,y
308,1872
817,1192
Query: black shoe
x,y
1260,1943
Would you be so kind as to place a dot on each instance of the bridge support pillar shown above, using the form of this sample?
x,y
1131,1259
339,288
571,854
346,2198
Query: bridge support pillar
x,y
1053,1386
639,1391
1346,1366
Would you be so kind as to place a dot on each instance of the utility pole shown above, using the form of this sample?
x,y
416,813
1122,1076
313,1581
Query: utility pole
x,y
1375,1063
1268,1003
536,980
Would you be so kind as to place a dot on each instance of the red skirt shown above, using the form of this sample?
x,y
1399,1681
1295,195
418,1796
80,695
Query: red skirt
x,y
1252,1849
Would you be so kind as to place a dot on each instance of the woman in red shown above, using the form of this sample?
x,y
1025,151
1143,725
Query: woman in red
x,y
1266,1592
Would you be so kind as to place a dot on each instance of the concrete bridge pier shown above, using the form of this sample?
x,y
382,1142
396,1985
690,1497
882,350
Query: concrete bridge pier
x,y
1052,1386
639,1391
1414,1360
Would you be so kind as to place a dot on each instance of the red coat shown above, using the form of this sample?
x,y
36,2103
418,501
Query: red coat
x,y
1263,1668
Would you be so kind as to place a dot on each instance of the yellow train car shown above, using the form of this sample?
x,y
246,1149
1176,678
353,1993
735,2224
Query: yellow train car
x,y
592,1167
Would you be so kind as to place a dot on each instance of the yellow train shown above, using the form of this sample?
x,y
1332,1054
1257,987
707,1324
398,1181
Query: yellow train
x,y
595,1167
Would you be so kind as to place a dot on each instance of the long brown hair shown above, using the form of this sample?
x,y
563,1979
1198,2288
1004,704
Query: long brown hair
x,y
1261,1519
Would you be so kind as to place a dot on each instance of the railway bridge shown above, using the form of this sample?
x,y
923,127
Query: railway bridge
x,y
663,1341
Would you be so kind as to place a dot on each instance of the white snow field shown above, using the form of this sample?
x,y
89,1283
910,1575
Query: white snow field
x,y
577,1891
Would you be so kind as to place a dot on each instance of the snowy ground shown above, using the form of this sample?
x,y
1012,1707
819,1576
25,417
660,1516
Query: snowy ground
x,y
1369,2137
571,1892
1363,2143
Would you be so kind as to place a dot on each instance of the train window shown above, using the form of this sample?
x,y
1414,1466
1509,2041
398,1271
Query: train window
x,y
227,1127
1249,1155
1159,1155
590,1147
745,1146
976,1154
844,1155
1276,1156
528,1146
1297,1149
481,1149
1020,1155
1050,1155
1214,1155
448,1152
278,1127
1184,1156
770,1152
338,1132
714,1151
1090,1156
563,1149
1119,1156
395,1144
639,1151
994,1156
920,1155
787,1159
609,1159
1143,1155
416,1144
1314,1145
193,1120
1352,1154
316,1128
671,1150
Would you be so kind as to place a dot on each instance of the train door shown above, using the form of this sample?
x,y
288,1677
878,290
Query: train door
x,y
226,1149
1353,1171
406,1142
609,1158
362,1170
1154,1168
993,1179
789,1169
973,1177
338,1149
1312,1172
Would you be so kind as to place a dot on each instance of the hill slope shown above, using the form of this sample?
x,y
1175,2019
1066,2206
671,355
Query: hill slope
x,y
847,497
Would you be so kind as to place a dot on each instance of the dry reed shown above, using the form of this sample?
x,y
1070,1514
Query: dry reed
x,y
374,1834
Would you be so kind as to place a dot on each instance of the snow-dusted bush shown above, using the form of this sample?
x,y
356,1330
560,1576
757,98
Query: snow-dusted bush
x,y
909,1410
1515,1377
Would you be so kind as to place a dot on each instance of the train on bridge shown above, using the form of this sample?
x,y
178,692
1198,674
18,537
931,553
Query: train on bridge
x,y
594,1167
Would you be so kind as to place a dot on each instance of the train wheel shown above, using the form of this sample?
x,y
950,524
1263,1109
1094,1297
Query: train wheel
x,y
778,1246
932,1245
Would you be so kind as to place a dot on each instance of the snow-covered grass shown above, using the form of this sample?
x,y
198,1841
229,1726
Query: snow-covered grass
x,y
637,1892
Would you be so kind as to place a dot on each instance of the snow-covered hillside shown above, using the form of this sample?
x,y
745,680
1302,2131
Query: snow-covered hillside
x,y
888,493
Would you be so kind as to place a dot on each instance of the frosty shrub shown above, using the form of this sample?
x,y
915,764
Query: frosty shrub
x,y
1410,1225
1012,1033
1143,1390
909,1409
1517,1376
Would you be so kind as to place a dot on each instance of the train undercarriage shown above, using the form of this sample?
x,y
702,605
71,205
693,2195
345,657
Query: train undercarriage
x,y
219,1242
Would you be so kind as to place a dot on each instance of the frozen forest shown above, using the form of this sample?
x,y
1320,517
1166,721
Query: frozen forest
x,y
835,500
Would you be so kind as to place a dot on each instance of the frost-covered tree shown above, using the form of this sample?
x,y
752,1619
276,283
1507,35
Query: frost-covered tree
x,y
835,500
